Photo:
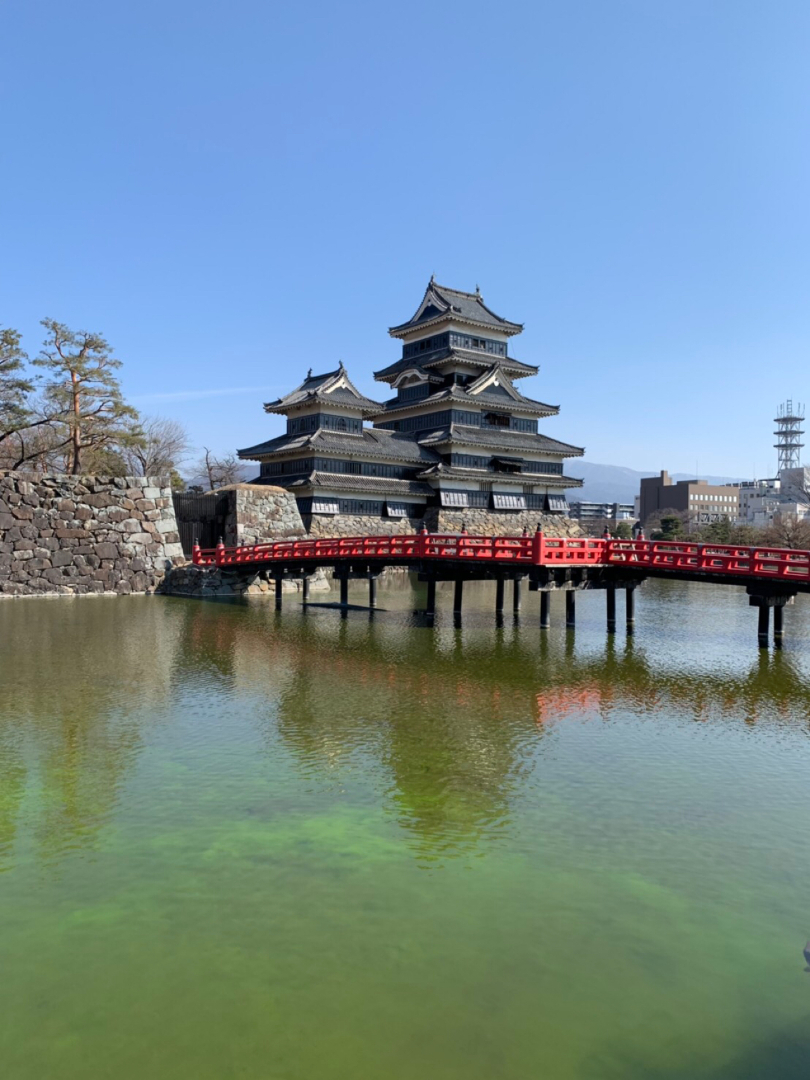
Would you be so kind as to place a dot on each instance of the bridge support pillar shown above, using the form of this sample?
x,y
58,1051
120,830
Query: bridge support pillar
x,y
279,593
372,592
516,590
344,592
545,610
570,609
431,597
778,626
763,624
611,609
630,608
305,590
499,591
458,594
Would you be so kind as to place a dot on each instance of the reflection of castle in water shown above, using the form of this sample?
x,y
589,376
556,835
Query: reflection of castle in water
x,y
447,723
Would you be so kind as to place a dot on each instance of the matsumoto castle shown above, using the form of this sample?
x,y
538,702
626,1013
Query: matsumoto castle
x,y
458,435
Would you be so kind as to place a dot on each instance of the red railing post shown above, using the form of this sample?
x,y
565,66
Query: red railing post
x,y
195,552
219,554
537,546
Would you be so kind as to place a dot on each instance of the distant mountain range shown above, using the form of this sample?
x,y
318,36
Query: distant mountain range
x,y
614,483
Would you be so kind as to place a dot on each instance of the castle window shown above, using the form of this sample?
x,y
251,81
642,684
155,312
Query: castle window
x,y
493,419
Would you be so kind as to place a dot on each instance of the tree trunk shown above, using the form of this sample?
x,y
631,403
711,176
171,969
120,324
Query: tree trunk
x,y
76,434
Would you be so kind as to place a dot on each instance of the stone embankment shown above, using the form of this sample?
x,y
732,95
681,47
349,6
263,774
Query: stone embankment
x,y
67,535
202,583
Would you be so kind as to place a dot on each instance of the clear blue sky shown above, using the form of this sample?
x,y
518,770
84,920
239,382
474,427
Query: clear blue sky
x,y
234,192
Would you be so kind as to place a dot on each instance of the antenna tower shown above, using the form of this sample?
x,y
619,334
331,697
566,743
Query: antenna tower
x,y
788,434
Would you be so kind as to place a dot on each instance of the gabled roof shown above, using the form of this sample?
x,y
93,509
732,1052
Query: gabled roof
x,y
419,373
516,368
441,303
497,377
376,443
498,438
334,388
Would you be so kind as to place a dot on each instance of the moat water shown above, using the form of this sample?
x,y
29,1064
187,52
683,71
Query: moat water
x,y
235,844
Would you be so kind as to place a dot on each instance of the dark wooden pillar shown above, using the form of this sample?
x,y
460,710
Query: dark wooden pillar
x,y
778,626
431,597
499,590
305,590
458,595
545,610
278,593
344,592
630,608
372,592
516,590
611,609
764,624
570,609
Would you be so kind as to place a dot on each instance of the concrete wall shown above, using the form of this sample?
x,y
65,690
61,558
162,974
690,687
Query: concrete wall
x,y
85,534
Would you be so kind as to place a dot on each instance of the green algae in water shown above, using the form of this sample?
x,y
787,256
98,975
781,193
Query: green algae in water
x,y
234,844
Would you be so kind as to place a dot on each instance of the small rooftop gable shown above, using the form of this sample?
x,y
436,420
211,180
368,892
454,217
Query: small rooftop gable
x,y
334,388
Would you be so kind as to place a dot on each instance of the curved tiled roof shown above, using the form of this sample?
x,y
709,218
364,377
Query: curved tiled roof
x,y
373,442
441,302
454,472
515,402
332,388
515,368
342,482
498,438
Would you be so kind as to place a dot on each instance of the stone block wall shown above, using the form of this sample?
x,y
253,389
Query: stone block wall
x,y
488,523
477,522
205,583
258,513
358,525
85,534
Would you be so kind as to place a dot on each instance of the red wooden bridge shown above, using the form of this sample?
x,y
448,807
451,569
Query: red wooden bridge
x,y
772,576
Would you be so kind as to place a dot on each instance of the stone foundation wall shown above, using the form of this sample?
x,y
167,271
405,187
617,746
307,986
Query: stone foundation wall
x,y
488,523
85,534
358,525
477,522
259,512
203,583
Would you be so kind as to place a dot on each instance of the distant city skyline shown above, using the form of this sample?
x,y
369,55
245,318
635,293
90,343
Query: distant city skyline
x,y
231,200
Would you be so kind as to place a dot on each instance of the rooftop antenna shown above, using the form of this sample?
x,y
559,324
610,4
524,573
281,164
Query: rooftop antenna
x,y
789,420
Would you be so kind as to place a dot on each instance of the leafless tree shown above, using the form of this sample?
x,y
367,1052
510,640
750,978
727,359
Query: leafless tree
x,y
220,471
162,449
788,531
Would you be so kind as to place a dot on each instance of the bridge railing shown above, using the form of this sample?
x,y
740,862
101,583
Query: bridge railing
x,y
784,563
537,550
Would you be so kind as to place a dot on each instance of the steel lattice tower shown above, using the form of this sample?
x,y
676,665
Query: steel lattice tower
x,y
788,434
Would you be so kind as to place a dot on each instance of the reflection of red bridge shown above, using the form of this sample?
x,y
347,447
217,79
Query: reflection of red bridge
x,y
772,576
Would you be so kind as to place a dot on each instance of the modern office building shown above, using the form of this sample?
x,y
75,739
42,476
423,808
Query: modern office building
x,y
598,511
701,501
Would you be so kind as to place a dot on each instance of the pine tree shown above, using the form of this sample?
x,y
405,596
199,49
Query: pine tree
x,y
14,389
84,394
